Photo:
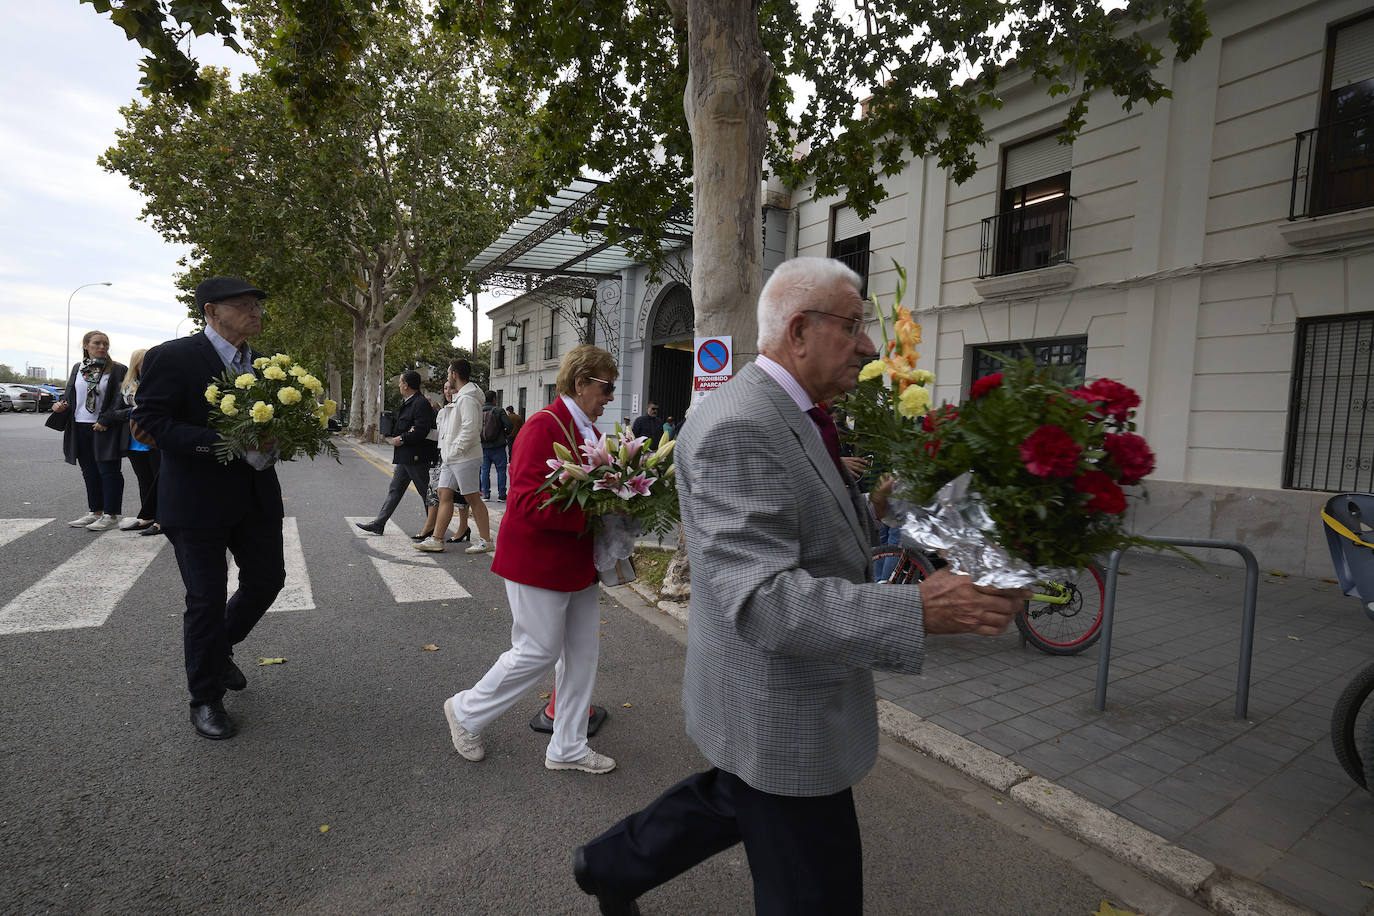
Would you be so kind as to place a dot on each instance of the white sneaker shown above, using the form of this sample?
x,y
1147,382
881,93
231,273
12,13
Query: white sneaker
x,y
591,762
84,520
430,545
467,743
129,522
104,523
481,545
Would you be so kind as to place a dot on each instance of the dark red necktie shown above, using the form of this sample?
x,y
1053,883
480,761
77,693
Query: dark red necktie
x,y
829,435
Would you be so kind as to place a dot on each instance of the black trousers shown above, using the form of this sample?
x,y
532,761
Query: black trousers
x,y
405,474
214,624
804,852
145,465
104,479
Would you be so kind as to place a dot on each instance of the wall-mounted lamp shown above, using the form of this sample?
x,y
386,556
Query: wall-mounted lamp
x,y
512,330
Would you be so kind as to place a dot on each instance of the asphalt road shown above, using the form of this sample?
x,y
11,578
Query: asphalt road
x,y
110,803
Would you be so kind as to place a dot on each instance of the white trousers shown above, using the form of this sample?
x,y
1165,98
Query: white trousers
x,y
560,630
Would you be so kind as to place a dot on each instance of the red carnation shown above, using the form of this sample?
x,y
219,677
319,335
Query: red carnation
x,y
1107,497
1117,400
1131,454
985,384
944,414
1050,452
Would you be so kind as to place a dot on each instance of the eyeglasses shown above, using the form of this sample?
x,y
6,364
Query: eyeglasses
x,y
245,306
610,386
856,325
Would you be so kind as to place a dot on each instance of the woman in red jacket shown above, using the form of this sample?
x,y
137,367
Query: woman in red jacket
x,y
545,556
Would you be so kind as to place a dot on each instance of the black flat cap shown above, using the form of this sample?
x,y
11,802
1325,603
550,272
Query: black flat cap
x,y
216,288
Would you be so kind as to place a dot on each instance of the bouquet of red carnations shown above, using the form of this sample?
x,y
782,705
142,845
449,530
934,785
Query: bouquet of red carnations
x,y
1025,477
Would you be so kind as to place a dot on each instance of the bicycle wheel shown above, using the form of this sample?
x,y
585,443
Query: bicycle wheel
x,y
1070,625
1352,726
907,566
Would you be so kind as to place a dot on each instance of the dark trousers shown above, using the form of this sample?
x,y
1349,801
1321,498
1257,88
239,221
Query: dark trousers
x,y
145,465
490,457
212,625
104,479
405,474
804,851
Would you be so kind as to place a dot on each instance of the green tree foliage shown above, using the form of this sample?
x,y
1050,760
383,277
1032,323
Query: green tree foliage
x,y
358,225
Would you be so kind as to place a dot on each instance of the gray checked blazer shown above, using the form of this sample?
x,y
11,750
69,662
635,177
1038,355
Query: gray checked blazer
x,y
785,625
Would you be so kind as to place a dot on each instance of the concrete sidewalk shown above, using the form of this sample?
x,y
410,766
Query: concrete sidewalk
x,y
1262,797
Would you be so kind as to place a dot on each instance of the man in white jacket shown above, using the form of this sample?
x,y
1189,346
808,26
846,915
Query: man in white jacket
x,y
460,451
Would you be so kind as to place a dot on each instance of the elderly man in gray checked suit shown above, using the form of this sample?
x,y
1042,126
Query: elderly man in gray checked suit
x,y
785,626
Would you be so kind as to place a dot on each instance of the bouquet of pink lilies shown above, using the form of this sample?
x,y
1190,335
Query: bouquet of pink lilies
x,y
621,475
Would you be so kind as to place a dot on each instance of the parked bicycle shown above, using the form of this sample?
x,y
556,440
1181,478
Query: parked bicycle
x,y
1061,618
1349,520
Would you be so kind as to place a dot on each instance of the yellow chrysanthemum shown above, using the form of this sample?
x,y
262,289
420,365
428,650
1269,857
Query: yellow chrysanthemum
x,y
914,402
260,362
324,421
212,394
872,370
262,412
227,405
312,383
281,359
274,372
330,407
299,371
245,381
289,395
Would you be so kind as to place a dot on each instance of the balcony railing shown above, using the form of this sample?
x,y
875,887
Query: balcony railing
x,y
1333,168
1026,238
548,347
520,359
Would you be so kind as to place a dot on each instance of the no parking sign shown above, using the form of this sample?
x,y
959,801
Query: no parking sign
x,y
713,366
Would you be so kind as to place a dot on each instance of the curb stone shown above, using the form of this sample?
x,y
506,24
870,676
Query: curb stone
x,y
1176,868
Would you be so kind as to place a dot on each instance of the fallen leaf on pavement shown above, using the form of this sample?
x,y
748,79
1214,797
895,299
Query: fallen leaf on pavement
x,y
324,828
626,705
271,661
1296,638
1368,884
1277,572
430,648
1106,909
543,696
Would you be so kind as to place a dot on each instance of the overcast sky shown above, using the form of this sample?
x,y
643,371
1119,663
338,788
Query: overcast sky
x,y
64,73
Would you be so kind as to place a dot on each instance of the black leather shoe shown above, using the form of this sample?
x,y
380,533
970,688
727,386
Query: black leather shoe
x,y
421,536
232,678
610,905
465,536
212,722
370,527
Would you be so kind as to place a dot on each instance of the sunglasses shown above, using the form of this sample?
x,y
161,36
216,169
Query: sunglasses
x,y
610,386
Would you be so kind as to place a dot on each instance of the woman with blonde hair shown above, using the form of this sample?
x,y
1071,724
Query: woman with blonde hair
x,y
143,455
545,555
95,436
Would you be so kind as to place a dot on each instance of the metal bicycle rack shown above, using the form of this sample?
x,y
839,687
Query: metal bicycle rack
x,y
1247,628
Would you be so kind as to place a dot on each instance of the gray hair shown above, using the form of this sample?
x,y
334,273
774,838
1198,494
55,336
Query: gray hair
x,y
787,292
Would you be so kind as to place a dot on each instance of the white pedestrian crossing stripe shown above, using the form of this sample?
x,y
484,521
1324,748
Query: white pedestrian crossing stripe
x,y
296,594
11,528
83,591
409,574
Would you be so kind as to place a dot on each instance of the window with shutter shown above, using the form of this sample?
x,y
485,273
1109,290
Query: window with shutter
x,y
1331,413
1031,228
849,242
1341,174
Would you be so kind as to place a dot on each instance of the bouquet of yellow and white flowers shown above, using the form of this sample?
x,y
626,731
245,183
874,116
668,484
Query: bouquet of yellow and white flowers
x,y
275,407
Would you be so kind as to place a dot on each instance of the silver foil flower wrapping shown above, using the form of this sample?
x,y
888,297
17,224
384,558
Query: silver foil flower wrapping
x,y
615,539
956,526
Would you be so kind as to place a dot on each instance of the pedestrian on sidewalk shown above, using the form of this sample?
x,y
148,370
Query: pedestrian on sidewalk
x,y
94,437
461,453
435,465
495,439
545,556
412,450
208,509
143,454
786,627
516,421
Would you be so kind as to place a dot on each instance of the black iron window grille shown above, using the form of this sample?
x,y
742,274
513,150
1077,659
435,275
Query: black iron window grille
x,y
1032,235
1062,351
500,357
521,356
853,253
549,347
1331,412
1333,168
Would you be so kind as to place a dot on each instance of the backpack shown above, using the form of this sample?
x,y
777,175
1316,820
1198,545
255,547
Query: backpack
x,y
493,425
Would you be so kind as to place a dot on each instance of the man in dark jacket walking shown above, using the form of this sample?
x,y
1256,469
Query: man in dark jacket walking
x,y
413,449
495,438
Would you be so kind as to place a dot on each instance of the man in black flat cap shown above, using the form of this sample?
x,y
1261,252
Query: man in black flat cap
x,y
207,507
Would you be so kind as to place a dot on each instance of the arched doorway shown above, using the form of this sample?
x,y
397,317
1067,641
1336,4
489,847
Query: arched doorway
x,y
670,353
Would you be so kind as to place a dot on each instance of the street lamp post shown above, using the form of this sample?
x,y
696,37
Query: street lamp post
x,y
68,362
